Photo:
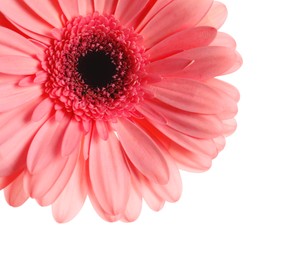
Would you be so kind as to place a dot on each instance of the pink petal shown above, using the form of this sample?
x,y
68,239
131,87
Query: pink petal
x,y
102,129
19,13
44,108
11,79
85,7
190,95
195,125
69,8
152,114
181,41
171,191
109,174
203,63
110,6
224,87
42,39
14,96
143,152
15,194
168,66
13,151
13,43
47,10
99,6
72,198
72,137
196,145
190,161
39,185
224,40
216,16
105,6
47,186
229,126
154,201
126,11
9,127
174,17
220,142
18,65
134,205
152,8
46,145
98,208
7,180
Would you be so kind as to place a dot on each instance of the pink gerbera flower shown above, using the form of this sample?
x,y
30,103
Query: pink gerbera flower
x,y
109,98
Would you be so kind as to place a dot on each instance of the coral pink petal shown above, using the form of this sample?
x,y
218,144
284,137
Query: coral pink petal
x,y
236,64
216,16
152,114
70,201
72,137
154,201
98,208
15,194
220,142
152,8
168,66
46,145
109,174
14,96
193,124
85,7
47,186
143,151
172,190
13,43
69,8
5,181
126,11
229,126
102,128
9,127
203,63
223,39
99,6
190,161
42,109
196,145
18,65
133,206
20,13
181,41
13,151
49,11
174,17
73,8
189,95
110,6
224,87
38,39
8,78
41,186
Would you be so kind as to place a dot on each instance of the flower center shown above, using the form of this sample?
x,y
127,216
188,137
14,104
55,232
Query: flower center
x,y
96,69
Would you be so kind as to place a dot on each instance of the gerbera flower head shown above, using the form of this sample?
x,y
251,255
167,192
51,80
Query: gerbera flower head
x,y
108,99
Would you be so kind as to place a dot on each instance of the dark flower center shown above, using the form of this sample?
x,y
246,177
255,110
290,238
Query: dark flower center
x,y
96,69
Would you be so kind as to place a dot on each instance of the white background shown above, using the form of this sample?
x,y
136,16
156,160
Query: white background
x,y
243,208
